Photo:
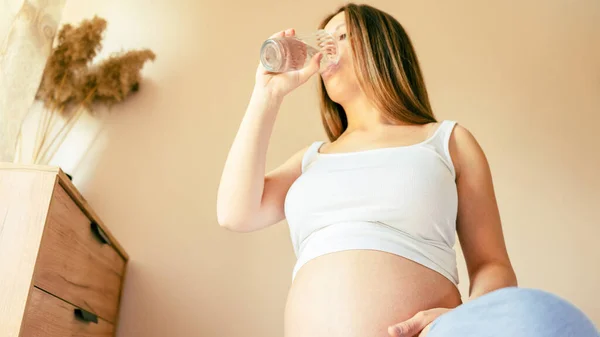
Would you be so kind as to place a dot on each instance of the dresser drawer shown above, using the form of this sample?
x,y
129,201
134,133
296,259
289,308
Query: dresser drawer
x,y
48,316
76,262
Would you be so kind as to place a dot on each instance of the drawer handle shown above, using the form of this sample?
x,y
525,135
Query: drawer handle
x,y
85,316
99,233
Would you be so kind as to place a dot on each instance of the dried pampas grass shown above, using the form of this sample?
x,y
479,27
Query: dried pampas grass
x,y
119,76
72,83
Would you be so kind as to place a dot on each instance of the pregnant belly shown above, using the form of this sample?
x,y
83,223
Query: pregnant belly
x,y
359,293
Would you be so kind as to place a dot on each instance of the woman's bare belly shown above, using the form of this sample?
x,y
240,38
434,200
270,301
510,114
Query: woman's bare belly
x,y
359,293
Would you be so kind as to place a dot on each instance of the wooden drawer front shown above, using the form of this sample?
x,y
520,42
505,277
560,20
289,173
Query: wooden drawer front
x,y
48,316
74,264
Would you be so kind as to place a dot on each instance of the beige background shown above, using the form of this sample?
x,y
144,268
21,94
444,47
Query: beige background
x,y
523,76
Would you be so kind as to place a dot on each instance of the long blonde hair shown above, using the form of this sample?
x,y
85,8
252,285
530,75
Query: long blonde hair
x,y
387,69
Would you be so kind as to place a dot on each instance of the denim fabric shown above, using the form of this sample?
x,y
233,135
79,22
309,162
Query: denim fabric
x,y
514,312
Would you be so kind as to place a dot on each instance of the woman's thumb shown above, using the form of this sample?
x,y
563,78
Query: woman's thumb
x,y
311,69
410,327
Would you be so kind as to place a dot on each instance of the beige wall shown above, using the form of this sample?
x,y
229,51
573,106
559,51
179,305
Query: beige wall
x,y
524,78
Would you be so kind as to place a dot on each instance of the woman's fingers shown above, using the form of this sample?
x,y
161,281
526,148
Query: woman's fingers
x,y
283,33
278,34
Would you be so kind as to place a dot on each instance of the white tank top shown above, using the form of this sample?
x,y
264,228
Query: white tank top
x,y
400,200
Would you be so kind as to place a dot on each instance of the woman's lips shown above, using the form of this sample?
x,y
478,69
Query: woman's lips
x,y
329,70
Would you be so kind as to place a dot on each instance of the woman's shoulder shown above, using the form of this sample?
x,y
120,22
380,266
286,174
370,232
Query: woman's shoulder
x,y
309,153
455,130
464,148
460,134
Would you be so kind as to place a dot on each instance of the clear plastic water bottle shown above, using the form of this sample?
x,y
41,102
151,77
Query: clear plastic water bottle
x,y
289,53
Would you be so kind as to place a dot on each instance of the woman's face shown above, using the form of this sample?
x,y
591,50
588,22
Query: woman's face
x,y
340,79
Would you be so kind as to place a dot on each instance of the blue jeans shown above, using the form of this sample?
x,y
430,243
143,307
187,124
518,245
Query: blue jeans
x,y
514,312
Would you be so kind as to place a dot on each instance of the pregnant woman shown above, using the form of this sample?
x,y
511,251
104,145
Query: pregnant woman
x,y
374,213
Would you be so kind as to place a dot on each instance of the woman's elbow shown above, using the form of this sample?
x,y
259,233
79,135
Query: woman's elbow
x,y
233,222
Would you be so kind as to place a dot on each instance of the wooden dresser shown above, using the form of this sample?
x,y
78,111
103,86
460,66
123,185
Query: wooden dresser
x,y
61,270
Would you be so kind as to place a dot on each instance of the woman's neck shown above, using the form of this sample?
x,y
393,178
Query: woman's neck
x,y
363,115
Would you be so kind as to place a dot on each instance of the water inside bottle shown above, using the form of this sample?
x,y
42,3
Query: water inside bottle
x,y
291,53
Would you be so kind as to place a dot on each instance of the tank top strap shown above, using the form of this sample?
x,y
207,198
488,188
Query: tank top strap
x,y
441,140
311,154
